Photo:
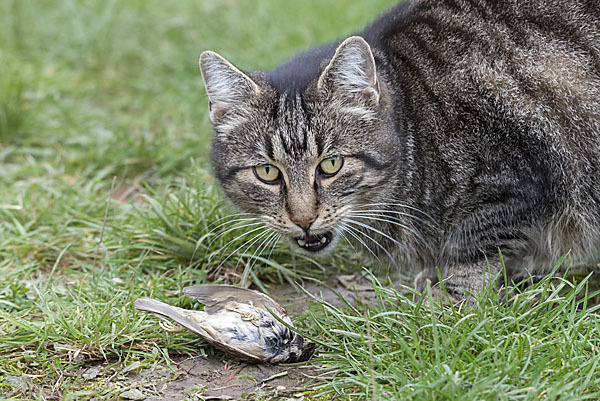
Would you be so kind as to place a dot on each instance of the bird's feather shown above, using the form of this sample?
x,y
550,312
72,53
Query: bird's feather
x,y
192,321
215,296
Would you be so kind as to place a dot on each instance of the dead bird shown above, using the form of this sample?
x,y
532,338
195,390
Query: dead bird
x,y
237,321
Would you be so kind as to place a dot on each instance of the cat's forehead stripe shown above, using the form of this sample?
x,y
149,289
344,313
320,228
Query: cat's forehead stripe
x,y
293,136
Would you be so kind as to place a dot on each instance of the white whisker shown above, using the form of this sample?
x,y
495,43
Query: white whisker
x,y
228,230
350,230
394,221
263,245
404,205
277,238
255,239
232,222
224,247
396,212
239,220
372,240
340,232
230,216
368,227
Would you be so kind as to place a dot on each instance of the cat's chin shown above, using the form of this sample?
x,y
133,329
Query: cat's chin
x,y
318,244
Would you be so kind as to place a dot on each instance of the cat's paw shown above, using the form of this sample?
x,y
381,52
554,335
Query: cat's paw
x,y
457,300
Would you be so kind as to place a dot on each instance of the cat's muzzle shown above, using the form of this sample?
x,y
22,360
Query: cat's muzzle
x,y
315,242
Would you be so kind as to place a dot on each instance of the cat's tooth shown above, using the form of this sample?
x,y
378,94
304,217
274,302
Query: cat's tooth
x,y
323,240
301,242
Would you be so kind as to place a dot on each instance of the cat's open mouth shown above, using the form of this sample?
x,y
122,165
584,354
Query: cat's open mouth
x,y
315,242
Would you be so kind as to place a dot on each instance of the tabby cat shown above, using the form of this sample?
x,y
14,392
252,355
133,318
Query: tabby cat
x,y
445,132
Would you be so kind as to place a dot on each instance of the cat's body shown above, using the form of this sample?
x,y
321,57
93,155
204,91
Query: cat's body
x,y
456,129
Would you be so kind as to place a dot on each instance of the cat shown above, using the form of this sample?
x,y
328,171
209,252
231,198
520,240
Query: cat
x,y
449,137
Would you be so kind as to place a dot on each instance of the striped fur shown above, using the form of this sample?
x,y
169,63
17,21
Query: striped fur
x,y
466,127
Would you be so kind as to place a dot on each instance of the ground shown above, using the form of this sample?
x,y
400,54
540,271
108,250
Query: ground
x,y
222,378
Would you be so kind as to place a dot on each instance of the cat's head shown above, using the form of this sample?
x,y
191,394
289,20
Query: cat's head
x,y
303,159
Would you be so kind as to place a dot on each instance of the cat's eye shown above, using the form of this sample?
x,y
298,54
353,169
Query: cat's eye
x,y
267,173
331,165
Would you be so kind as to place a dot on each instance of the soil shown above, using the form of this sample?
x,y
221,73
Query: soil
x,y
215,379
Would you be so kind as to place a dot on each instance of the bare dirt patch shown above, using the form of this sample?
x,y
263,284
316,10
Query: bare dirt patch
x,y
216,379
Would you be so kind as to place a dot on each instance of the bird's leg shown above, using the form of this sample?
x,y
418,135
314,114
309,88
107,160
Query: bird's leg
x,y
246,316
168,326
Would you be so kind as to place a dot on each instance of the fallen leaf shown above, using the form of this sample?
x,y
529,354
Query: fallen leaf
x,y
133,394
90,373
351,282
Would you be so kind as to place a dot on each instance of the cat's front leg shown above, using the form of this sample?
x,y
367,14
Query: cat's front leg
x,y
462,282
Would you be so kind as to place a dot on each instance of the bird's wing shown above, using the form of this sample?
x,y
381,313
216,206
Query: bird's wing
x,y
192,320
214,295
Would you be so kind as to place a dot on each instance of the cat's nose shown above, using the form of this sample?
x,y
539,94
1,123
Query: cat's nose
x,y
304,221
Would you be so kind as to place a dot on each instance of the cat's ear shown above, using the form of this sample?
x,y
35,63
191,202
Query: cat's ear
x,y
352,69
227,87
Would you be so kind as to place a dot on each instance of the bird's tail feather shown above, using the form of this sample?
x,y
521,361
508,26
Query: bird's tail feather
x,y
172,312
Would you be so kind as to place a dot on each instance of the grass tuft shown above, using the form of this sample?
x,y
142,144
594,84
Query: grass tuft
x,y
16,98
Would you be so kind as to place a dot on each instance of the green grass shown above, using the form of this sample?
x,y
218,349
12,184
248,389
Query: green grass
x,y
107,195
542,345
